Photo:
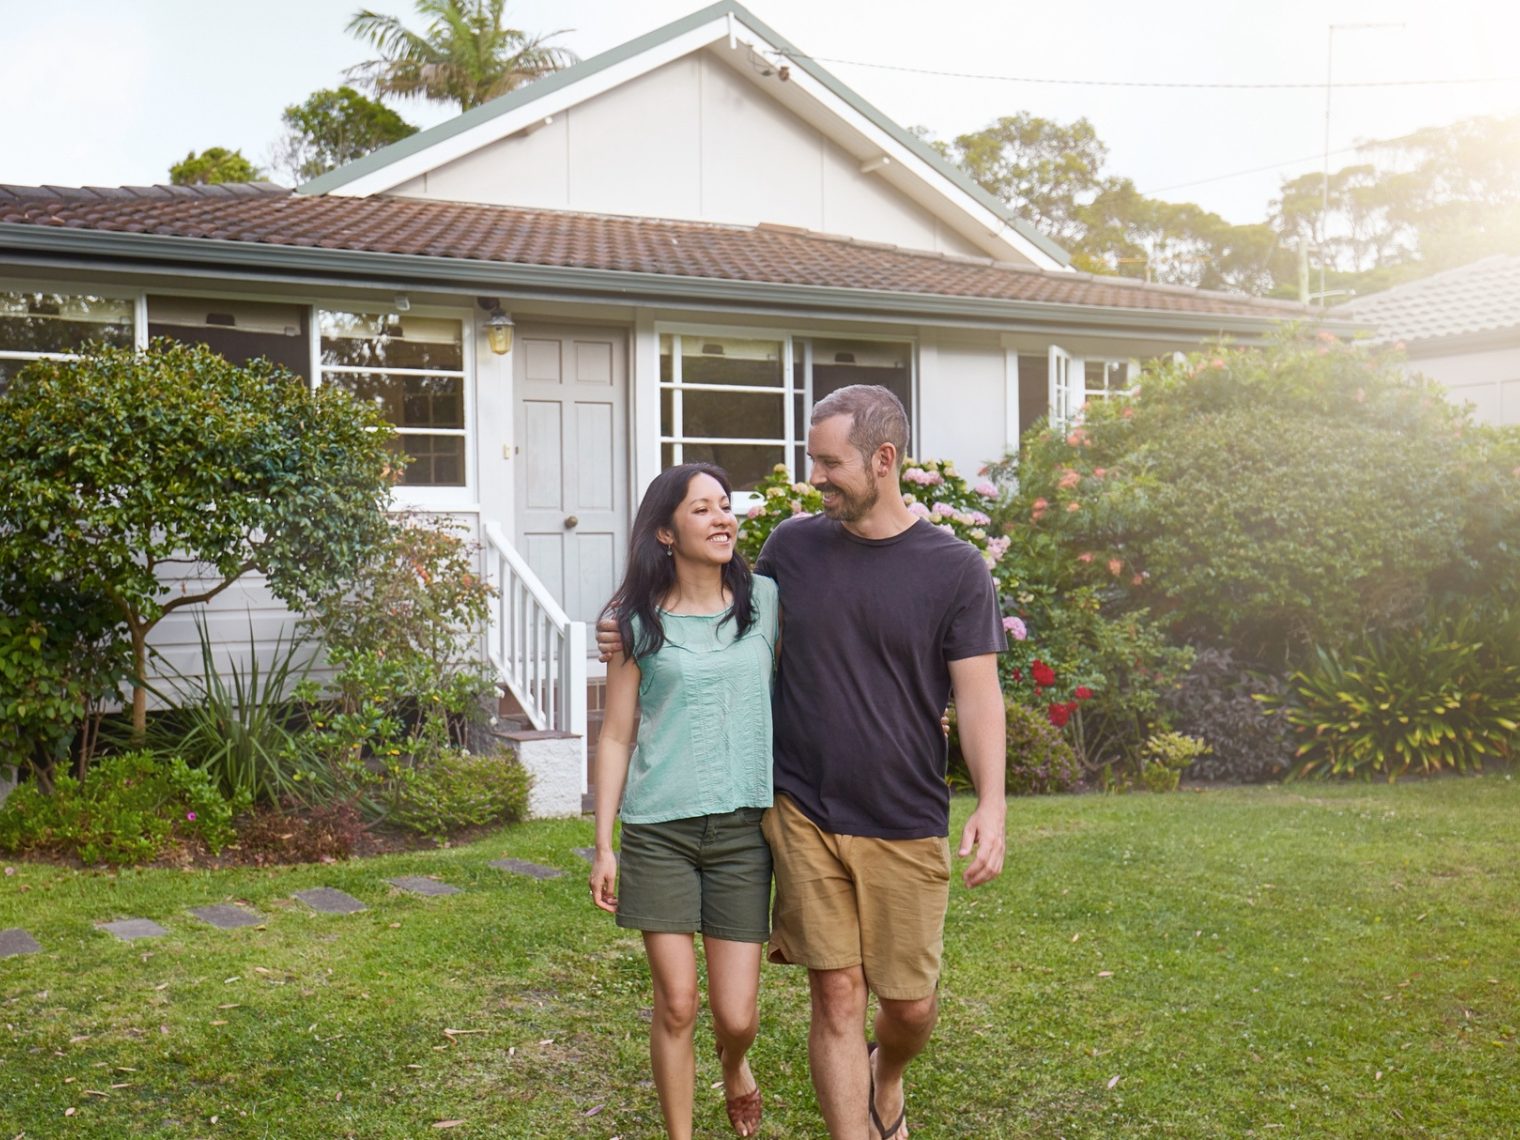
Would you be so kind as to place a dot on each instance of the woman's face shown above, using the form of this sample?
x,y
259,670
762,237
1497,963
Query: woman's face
x,y
703,528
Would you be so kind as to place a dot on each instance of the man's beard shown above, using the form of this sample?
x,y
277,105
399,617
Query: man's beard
x,y
851,508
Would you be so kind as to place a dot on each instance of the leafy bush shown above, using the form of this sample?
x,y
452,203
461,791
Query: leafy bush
x,y
119,461
1040,761
1266,499
1164,756
454,790
1216,702
1443,695
130,808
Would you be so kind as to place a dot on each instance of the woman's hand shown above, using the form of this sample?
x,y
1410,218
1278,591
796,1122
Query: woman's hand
x,y
603,881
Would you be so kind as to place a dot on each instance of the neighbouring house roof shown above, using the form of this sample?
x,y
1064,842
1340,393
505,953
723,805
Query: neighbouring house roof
x,y
1472,301
389,238
842,110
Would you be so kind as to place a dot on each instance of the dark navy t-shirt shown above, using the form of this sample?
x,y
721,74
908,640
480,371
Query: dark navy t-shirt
x,y
869,627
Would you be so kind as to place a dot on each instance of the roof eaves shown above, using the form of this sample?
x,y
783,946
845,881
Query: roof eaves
x,y
163,253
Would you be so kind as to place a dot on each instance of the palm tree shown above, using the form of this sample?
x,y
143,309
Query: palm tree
x,y
464,57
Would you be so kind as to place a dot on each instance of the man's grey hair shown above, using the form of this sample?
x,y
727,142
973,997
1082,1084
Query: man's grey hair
x,y
876,416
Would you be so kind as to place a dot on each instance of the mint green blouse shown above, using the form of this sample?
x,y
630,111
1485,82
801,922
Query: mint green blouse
x,y
704,743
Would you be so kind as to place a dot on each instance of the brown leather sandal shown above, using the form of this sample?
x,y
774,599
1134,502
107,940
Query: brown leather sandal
x,y
744,1111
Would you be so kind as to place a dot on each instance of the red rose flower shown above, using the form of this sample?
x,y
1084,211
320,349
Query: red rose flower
x,y
1018,674
1042,673
1059,715
1083,693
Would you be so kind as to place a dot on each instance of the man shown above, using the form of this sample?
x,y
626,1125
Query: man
x,y
884,615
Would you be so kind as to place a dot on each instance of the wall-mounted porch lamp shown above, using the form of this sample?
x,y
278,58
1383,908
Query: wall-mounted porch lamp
x,y
499,326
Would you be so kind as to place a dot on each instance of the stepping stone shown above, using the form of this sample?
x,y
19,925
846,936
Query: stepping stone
x,y
226,917
532,870
419,885
17,941
329,900
129,928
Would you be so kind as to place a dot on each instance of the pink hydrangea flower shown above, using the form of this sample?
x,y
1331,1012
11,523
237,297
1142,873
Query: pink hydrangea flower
x,y
1016,627
986,490
754,511
919,509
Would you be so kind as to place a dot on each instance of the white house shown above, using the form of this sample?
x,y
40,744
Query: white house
x,y
692,237
1460,327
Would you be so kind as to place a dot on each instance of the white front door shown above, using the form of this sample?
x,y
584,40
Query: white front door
x,y
571,387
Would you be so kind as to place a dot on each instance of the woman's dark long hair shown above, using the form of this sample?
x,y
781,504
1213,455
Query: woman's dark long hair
x,y
651,570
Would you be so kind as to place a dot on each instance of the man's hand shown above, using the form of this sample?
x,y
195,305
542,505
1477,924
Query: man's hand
x,y
984,831
609,643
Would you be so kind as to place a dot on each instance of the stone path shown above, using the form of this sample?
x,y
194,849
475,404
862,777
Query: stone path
x,y
330,900
128,929
324,900
532,870
17,941
418,885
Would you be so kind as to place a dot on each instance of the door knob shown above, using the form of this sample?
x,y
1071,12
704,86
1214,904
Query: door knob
x,y
571,522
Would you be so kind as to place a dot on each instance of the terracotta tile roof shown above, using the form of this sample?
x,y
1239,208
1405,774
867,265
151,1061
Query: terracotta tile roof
x,y
1472,300
265,214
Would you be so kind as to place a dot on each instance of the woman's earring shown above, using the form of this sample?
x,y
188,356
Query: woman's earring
x,y
670,552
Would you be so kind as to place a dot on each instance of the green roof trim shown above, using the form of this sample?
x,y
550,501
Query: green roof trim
x,y
531,92
62,250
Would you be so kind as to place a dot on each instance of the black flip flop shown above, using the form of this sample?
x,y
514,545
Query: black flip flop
x,y
886,1133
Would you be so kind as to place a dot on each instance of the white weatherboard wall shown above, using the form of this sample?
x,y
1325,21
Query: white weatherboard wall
x,y
1489,381
694,141
962,402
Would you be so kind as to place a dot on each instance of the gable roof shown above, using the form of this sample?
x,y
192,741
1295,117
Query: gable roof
x,y
260,225
518,110
1471,301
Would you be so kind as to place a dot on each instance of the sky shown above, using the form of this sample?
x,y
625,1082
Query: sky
x,y
118,92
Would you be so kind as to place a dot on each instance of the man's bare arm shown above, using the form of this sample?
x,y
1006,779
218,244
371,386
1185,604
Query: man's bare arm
x,y
980,718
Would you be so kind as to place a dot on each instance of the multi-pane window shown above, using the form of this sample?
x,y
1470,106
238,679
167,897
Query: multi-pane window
x,y
723,400
240,331
743,403
1103,379
413,369
42,326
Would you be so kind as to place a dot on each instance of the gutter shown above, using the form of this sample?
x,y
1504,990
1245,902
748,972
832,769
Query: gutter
x,y
62,247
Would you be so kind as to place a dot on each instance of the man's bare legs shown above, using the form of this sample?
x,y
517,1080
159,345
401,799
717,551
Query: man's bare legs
x,y
837,1050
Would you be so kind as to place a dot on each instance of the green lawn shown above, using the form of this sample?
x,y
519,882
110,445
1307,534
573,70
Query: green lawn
x,y
1311,960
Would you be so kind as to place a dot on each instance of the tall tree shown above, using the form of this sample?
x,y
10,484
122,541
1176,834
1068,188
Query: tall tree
x,y
334,127
464,56
1045,170
213,165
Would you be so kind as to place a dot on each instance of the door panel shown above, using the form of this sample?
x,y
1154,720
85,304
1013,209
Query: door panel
x,y
572,440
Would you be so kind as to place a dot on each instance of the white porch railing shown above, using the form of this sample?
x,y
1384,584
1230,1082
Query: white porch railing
x,y
538,652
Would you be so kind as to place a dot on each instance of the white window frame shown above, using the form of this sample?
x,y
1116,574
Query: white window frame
x,y
454,496
788,391
137,298
1068,380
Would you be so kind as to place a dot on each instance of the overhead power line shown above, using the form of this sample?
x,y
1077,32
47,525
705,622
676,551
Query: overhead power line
x,y
1066,82
1254,170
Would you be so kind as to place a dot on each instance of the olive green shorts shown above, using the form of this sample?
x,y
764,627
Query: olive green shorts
x,y
710,873
853,900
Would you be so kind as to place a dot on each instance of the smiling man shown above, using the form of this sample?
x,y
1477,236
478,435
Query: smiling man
x,y
884,616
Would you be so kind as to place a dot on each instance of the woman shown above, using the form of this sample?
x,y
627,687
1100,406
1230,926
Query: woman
x,y
694,698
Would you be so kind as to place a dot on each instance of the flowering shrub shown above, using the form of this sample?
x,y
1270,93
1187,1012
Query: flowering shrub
x,y
932,489
1040,760
1265,499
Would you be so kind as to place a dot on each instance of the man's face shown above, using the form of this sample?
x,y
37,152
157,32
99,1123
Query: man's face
x,y
849,488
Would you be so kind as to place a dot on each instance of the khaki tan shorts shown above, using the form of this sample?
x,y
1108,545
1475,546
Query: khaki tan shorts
x,y
854,900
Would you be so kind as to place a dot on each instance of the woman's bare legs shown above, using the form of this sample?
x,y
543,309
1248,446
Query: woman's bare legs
x,y
673,966
733,988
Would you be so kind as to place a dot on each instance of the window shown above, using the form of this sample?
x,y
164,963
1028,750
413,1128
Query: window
x,y
731,400
412,368
1105,378
52,326
238,330
723,400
